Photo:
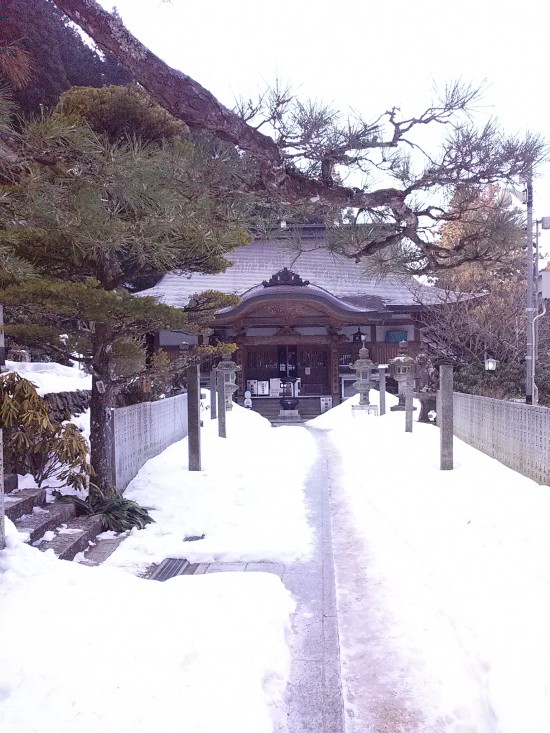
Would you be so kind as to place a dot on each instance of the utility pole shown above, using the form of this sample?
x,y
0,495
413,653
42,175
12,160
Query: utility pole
x,y
530,305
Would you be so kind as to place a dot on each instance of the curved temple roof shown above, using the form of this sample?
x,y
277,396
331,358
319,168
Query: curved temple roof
x,y
292,292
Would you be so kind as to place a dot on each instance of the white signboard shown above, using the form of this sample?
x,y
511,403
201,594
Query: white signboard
x,y
275,387
263,387
326,403
252,386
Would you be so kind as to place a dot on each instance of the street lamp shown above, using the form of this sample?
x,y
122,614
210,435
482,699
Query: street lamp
x,y
490,364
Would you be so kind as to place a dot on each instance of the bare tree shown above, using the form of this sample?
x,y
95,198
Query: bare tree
x,y
304,151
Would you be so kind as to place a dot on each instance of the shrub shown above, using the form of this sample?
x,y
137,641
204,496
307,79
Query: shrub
x,y
117,513
36,444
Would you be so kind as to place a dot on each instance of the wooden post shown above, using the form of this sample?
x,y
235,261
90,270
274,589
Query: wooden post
x,y
194,417
213,395
409,404
445,417
222,432
2,340
382,389
335,374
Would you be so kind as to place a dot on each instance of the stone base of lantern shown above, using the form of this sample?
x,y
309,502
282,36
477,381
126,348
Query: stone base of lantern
x,y
365,409
290,415
399,408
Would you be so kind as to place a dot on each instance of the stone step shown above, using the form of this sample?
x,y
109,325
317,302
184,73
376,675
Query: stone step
x,y
74,537
23,502
308,408
101,549
45,519
10,482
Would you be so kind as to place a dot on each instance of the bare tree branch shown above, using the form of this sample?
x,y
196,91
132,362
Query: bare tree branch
x,y
305,157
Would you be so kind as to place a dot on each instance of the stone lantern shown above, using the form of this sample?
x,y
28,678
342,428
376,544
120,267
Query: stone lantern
x,y
402,369
363,368
227,373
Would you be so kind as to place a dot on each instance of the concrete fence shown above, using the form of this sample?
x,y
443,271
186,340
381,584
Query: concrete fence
x,y
516,434
143,431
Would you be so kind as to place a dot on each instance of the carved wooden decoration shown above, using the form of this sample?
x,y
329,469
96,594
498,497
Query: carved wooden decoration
x,y
284,277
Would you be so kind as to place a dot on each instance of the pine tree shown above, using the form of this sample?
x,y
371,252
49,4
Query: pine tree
x,y
89,215
57,56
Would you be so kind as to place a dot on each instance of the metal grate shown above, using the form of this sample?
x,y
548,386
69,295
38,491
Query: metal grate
x,y
169,568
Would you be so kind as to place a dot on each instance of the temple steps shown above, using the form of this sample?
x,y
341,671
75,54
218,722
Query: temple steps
x,y
269,407
48,526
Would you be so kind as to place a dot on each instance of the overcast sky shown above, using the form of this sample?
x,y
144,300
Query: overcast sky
x,y
363,55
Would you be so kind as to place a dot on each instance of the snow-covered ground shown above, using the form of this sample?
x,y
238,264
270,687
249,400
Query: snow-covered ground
x,y
244,501
443,582
85,649
454,568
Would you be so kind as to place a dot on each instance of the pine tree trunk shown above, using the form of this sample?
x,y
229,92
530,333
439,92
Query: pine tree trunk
x,y
101,413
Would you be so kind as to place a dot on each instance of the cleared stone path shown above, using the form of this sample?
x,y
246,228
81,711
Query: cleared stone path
x,y
361,691
375,680
314,694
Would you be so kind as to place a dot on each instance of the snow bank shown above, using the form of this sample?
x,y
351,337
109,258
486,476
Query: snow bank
x,y
456,568
96,649
51,377
248,500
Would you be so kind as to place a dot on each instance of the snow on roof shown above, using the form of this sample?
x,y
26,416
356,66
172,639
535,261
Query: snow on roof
x,y
259,260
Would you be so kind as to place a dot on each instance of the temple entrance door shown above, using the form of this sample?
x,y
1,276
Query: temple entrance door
x,y
313,369
309,362
287,357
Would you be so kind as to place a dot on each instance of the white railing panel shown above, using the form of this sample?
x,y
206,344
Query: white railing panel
x,y
145,430
514,433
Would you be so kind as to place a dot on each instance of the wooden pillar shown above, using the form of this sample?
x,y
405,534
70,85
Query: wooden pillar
x,y
334,373
372,333
240,358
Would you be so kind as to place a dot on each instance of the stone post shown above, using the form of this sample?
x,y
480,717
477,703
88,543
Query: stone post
x,y
445,417
409,403
2,510
2,340
213,394
2,367
382,388
194,417
222,432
